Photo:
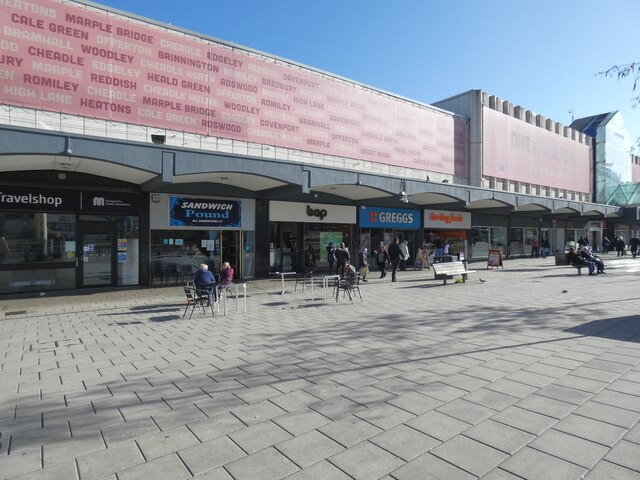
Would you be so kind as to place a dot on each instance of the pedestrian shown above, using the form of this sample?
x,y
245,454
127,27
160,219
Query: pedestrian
x,y
546,247
633,245
404,248
620,245
446,248
581,241
439,245
534,247
395,254
342,256
382,259
331,257
606,244
363,264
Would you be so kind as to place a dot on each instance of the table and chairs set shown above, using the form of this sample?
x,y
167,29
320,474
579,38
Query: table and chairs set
x,y
311,280
205,297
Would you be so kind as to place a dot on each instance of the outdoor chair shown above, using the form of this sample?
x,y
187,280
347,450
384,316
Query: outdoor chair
x,y
304,278
348,286
201,298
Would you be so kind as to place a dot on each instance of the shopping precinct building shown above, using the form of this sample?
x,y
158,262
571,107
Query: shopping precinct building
x,y
131,151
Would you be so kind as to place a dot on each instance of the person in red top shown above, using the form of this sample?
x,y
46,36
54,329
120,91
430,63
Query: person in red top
x,y
534,247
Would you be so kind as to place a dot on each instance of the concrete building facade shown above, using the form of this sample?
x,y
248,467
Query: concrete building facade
x,y
131,151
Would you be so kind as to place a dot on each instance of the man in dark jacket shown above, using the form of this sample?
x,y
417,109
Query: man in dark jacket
x,y
395,254
634,243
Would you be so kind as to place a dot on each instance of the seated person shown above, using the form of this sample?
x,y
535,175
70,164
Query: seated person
x,y
597,261
578,261
349,271
204,279
226,274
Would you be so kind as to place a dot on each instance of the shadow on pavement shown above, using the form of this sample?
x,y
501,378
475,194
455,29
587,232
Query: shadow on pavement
x,y
624,329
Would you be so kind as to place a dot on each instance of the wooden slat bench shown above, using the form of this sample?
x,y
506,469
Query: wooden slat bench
x,y
443,271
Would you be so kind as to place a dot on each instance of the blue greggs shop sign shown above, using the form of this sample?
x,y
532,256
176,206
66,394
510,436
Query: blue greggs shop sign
x,y
381,217
204,212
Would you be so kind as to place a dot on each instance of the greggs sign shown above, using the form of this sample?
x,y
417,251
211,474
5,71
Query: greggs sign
x,y
448,220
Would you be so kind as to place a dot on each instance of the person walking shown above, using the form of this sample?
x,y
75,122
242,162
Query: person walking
x,y
620,246
395,254
342,256
331,257
633,245
404,248
606,244
382,259
546,247
363,264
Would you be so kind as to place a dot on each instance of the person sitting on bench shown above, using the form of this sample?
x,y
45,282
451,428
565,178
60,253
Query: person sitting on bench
x,y
579,262
590,257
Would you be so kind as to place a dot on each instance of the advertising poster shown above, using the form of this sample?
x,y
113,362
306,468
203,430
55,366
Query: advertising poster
x,y
325,239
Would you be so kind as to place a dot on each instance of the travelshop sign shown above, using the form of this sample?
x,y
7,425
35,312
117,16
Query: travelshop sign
x,y
204,212
61,200
381,217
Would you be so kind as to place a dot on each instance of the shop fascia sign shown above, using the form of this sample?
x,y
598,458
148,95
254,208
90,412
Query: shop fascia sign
x,y
381,217
204,212
62,200
446,219
321,213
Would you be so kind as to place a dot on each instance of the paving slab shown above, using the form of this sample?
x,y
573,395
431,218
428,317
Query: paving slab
x,y
117,385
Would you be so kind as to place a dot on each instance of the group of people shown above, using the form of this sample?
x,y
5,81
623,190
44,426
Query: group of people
x,y
619,245
204,279
395,255
542,249
585,258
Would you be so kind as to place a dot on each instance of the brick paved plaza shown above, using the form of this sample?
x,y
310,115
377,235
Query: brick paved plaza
x,y
533,372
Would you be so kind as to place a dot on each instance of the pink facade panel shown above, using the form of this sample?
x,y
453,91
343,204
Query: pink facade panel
x,y
635,172
62,57
518,151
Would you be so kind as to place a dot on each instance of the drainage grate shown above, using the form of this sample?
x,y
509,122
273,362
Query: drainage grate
x,y
16,312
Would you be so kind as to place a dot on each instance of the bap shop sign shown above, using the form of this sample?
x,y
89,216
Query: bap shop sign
x,y
198,212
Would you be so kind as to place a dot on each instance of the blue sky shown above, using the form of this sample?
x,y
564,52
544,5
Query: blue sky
x,y
543,55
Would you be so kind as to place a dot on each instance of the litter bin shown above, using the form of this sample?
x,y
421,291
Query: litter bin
x,y
561,259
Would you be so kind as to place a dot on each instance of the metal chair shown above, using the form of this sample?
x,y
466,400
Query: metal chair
x,y
305,278
348,286
198,298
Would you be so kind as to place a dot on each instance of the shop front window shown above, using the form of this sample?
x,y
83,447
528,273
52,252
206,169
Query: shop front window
x,y
516,242
177,254
499,239
479,242
38,237
529,235
37,251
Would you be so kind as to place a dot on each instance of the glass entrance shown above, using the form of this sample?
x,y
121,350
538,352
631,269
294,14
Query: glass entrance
x,y
96,255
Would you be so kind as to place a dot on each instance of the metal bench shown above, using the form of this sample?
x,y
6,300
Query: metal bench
x,y
443,271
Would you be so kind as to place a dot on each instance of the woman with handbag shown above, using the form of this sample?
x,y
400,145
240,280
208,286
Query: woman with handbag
x,y
363,264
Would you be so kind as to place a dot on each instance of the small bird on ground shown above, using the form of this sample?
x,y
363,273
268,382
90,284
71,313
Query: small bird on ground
x,y
482,280
565,291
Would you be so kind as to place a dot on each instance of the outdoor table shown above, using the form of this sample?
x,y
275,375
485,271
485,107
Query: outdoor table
x,y
282,275
325,282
